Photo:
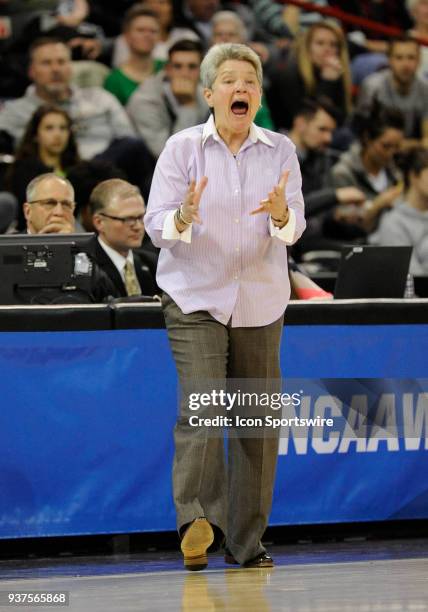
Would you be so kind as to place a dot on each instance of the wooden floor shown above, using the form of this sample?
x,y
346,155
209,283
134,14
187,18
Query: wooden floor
x,y
355,576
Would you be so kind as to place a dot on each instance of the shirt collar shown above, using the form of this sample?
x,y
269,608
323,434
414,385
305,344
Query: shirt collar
x,y
118,259
256,133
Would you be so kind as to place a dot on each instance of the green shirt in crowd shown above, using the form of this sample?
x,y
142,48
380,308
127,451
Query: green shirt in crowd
x,y
263,117
122,86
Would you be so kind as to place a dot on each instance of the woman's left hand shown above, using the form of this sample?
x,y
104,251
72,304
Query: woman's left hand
x,y
276,202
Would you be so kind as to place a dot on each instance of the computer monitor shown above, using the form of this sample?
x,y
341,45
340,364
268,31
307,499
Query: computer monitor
x,y
46,268
368,271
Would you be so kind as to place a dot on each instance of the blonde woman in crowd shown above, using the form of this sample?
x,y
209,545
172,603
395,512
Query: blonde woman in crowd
x,y
317,66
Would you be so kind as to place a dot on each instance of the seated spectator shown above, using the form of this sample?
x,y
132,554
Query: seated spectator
x,y
49,205
312,133
369,166
418,10
49,209
318,67
168,34
99,117
228,27
84,177
172,100
118,216
399,86
406,224
101,125
48,145
141,32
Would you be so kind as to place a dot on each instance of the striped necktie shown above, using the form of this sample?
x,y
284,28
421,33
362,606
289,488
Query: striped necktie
x,y
131,281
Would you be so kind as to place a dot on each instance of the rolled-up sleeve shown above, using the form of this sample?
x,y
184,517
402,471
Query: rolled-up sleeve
x,y
168,190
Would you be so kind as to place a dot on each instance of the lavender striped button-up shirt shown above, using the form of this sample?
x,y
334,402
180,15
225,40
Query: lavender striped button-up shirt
x,y
234,265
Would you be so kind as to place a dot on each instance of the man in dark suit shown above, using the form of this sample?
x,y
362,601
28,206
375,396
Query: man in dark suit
x,y
118,216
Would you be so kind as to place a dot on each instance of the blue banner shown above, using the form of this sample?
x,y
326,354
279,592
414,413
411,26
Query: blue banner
x,y
86,426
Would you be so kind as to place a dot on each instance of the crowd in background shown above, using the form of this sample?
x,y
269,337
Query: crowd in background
x,y
91,91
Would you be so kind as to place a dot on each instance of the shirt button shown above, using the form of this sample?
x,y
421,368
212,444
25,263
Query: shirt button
x,y
236,190
237,249
236,277
236,220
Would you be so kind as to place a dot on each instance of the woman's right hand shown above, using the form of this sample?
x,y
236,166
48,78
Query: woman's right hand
x,y
332,68
190,207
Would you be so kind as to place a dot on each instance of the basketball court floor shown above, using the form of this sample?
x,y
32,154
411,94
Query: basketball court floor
x,y
362,576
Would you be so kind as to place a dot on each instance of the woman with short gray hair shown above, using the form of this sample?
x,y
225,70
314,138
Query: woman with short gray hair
x,y
219,54
225,202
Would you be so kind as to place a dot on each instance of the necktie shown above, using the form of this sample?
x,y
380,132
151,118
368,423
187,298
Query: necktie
x,y
131,281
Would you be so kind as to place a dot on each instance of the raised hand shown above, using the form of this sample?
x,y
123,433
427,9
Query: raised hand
x,y
190,206
276,202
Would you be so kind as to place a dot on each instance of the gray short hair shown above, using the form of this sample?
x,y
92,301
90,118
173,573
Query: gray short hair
x,y
103,194
32,185
218,54
222,16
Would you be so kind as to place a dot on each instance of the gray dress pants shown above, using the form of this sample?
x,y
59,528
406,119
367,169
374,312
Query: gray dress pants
x,y
232,489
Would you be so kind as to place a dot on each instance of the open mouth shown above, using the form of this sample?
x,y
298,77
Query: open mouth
x,y
239,107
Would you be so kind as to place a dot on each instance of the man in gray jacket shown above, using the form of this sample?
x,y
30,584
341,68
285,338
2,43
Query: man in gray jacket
x,y
98,118
101,126
172,100
399,87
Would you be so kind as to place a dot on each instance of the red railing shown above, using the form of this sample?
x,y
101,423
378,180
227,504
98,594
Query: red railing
x,y
344,17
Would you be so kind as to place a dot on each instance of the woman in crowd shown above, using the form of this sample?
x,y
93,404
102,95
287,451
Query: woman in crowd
x,y
48,145
318,66
369,166
407,223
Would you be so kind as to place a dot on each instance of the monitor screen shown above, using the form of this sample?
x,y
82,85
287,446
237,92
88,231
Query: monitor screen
x,y
368,271
46,268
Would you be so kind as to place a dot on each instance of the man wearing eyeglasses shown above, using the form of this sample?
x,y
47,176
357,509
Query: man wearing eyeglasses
x,y
118,216
50,205
49,209
172,100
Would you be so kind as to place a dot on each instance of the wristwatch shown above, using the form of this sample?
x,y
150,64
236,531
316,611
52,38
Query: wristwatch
x,y
180,218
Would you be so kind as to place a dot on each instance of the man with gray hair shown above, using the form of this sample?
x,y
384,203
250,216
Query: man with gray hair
x,y
118,211
49,207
